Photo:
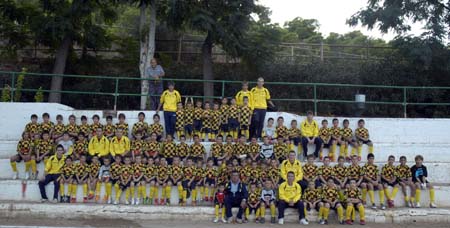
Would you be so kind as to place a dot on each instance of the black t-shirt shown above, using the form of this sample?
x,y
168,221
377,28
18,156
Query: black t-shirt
x,y
418,173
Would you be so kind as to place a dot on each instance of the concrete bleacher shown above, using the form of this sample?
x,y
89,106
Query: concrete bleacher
x,y
394,136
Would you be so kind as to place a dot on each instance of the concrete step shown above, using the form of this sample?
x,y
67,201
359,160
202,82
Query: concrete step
x,y
133,213
12,190
432,152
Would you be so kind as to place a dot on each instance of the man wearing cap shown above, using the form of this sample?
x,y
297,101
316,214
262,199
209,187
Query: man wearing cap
x,y
261,97
155,86
169,100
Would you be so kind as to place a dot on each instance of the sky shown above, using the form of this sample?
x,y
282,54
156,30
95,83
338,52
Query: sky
x,y
331,14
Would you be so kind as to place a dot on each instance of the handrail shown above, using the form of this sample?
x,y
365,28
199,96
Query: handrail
x,y
313,86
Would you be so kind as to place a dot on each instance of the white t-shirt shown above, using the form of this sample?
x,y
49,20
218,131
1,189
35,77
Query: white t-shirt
x,y
66,145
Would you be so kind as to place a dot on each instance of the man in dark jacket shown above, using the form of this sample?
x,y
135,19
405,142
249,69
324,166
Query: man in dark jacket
x,y
236,195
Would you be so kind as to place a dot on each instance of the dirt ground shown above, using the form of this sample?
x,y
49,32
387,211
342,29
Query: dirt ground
x,y
32,222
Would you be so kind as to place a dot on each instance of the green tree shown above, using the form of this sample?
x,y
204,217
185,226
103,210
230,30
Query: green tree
x,y
306,29
39,97
394,14
6,93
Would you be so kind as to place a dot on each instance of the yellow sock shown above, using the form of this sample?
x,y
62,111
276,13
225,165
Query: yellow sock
x,y
247,212
33,166
343,151
194,194
202,192
184,195
139,191
206,191
235,134
362,214
27,166
388,195
13,166
272,210
407,199
216,211
152,192
179,134
359,150
364,194
116,188
61,189
257,213
326,212
432,195
127,194
180,191
381,195
98,187
168,191
333,150
370,149
321,209
85,190
73,191
203,136
132,190
394,193
372,196
262,211
108,189
223,212
353,150
306,212
348,211
340,212
247,134
118,191
341,196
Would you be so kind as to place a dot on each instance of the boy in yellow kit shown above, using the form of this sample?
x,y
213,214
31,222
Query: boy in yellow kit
x,y
353,198
253,203
198,115
94,168
136,181
176,177
123,184
162,180
312,197
215,122
330,199
188,179
207,122
325,135
81,178
24,149
372,181
150,178
389,178
179,124
245,118
347,139
66,177
362,137
156,127
219,203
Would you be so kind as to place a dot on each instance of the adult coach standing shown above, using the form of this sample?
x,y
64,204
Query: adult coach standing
x,y
169,100
155,86
261,97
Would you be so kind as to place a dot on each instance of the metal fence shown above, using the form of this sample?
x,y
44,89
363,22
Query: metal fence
x,y
397,95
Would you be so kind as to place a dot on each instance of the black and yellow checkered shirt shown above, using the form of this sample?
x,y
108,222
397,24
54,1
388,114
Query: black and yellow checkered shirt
x,y
150,171
294,133
109,129
207,119
254,149
94,169
46,126
198,113
94,127
336,132
59,129
68,170
223,177
81,169
240,149
188,116
124,126
199,173
197,150
233,112
228,149
44,146
137,146
179,124
182,150
389,171
310,171
126,171
403,171
169,150
253,197
330,193
347,133
217,150
340,172
210,172
189,173
370,171
176,171
352,193
72,129
156,128
32,128
326,172
215,120
25,146
280,150
312,195
115,170
325,134
224,114
354,172
274,173
81,147
255,174
245,114
362,132
163,172
85,129
281,131
153,147
143,126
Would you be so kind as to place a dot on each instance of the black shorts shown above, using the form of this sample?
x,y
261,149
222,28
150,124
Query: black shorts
x,y
334,206
233,124
114,181
383,182
215,131
188,128
315,206
264,202
364,142
348,181
206,130
75,181
197,125
244,127
169,160
375,187
224,128
186,187
326,145
210,181
124,186
173,181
